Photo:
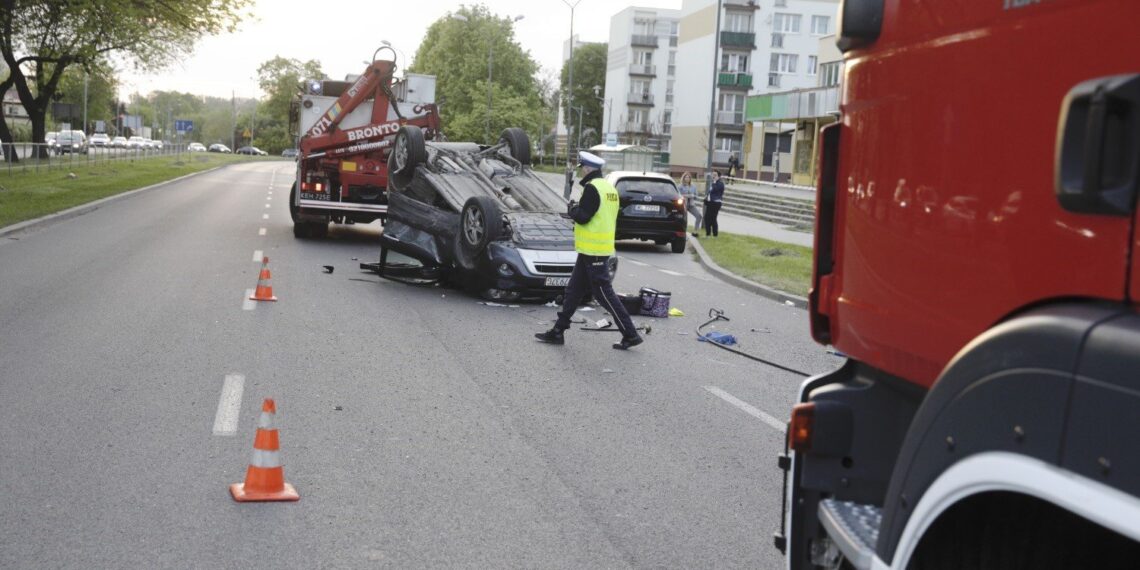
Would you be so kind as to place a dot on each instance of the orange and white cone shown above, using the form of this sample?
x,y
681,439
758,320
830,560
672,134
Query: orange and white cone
x,y
265,479
264,291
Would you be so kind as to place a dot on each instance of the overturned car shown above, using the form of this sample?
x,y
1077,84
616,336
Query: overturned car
x,y
476,216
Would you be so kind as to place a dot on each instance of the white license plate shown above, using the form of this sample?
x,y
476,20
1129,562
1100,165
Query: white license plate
x,y
646,208
557,281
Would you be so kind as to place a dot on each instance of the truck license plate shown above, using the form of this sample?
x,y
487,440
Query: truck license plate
x,y
646,208
557,281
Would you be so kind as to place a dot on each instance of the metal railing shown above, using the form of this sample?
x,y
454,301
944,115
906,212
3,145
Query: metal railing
x,y
643,70
639,98
643,40
730,117
43,157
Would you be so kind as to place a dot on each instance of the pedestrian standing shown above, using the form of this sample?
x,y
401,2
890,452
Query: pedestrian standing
x,y
595,225
733,165
689,191
713,200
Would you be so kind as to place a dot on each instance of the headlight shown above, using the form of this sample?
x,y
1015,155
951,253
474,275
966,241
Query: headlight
x,y
506,270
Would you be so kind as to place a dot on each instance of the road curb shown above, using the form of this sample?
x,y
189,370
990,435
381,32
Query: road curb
x,y
81,209
751,286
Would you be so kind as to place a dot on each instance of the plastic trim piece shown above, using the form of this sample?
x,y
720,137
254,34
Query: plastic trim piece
x,y
1004,471
322,205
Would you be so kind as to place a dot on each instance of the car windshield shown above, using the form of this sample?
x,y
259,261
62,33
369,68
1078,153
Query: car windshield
x,y
650,186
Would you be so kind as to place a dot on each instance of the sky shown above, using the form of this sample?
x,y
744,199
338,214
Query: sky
x,y
343,34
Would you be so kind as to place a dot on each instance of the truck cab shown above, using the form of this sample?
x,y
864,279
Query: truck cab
x,y
975,258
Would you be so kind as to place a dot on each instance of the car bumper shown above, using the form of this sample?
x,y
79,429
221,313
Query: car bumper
x,y
528,272
654,229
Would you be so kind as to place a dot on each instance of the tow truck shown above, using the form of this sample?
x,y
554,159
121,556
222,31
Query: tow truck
x,y
977,260
345,132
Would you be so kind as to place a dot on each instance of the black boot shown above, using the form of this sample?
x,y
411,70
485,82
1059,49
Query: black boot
x,y
552,336
629,341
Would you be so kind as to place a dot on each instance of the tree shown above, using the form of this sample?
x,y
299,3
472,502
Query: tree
x,y
101,87
41,39
455,50
280,78
589,70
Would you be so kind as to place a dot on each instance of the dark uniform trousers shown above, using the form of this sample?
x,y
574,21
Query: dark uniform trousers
x,y
592,273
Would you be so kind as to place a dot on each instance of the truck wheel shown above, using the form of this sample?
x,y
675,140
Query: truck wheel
x,y
480,223
408,152
518,142
294,209
679,245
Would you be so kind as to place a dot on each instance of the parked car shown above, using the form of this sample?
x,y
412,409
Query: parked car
x,y
290,153
251,151
71,142
49,140
196,147
119,142
651,209
99,140
479,216
219,147
136,143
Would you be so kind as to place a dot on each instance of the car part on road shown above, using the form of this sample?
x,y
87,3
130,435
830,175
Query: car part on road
x,y
718,315
611,328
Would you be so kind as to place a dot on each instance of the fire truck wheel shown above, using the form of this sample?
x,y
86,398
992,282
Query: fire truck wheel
x,y
293,208
480,223
518,142
408,152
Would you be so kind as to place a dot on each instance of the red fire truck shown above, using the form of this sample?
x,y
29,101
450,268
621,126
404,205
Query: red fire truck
x,y
978,260
345,131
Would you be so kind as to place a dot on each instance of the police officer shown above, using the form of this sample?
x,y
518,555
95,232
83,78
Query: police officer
x,y
595,223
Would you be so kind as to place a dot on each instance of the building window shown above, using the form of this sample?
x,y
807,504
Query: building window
x,y
783,63
643,58
738,22
669,92
674,27
787,23
781,3
812,61
778,40
829,74
773,80
734,62
667,122
819,25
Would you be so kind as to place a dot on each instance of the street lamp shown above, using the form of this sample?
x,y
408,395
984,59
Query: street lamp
x,y
490,69
597,90
570,101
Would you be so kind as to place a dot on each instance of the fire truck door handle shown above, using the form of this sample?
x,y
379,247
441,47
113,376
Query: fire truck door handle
x,y
1098,147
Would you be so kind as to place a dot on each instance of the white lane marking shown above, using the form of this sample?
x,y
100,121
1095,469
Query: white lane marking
x,y
270,192
267,205
229,405
248,304
667,272
269,197
257,256
261,232
635,262
265,216
747,408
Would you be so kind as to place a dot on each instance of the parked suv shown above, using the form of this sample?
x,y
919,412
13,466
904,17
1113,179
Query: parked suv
x,y
71,141
651,209
100,139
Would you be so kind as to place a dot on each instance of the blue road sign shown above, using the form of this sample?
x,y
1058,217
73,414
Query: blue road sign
x,y
183,125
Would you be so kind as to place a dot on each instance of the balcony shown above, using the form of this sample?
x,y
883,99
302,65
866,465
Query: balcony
x,y
650,70
738,40
721,156
639,99
643,41
635,127
741,4
729,79
730,119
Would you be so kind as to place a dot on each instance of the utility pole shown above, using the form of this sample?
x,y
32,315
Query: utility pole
x,y
85,101
233,118
712,101
570,102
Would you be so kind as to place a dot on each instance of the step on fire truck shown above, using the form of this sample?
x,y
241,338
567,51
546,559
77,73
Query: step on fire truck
x,y
977,258
345,133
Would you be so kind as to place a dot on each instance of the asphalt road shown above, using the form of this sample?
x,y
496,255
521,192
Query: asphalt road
x,y
421,427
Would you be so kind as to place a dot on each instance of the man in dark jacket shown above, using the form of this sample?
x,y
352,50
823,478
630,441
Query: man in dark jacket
x,y
713,200
595,224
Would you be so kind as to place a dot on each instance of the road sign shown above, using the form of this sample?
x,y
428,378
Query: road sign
x,y
183,126
611,139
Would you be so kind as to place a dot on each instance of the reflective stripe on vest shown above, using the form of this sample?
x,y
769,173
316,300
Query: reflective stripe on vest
x,y
596,237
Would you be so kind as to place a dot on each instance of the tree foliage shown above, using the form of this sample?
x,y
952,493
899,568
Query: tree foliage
x,y
41,39
281,79
589,63
456,49
102,85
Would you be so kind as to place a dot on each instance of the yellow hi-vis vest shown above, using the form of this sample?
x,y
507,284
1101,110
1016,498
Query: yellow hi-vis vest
x,y
596,237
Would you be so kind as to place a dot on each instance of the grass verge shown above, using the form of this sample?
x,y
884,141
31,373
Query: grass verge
x,y
29,195
778,265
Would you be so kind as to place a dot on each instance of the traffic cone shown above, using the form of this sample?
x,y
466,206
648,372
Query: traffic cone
x,y
265,479
264,291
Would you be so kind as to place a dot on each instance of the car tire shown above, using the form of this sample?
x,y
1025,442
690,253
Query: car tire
x,y
518,143
679,245
480,223
408,152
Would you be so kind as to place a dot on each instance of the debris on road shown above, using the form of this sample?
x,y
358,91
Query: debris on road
x,y
718,337
338,409
328,268
789,303
675,312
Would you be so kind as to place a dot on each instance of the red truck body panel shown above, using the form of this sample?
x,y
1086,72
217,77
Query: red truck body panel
x,y
934,243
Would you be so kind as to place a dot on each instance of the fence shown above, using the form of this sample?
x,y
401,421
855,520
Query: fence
x,y
37,157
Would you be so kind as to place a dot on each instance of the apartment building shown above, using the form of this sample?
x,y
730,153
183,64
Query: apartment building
x,y
641,76
764,46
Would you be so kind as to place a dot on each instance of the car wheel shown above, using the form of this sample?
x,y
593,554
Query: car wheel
x,y
480,223
408,152
679,245
518,142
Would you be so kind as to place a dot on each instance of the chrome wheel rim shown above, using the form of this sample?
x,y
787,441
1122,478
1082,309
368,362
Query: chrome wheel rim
x,y
473,226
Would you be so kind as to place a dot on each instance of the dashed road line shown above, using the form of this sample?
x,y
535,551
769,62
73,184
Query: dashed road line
x,y
668,272
636,262
267,205
258,256
265,216
747,408
229,405
248,304
261,232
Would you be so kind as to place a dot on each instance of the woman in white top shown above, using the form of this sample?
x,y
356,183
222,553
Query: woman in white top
x,y
689,191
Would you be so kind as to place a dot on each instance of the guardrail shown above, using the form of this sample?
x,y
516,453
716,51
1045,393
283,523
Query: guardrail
x,y
36,157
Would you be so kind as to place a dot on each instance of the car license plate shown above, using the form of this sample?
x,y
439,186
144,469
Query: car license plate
x,y
646,208
557,281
